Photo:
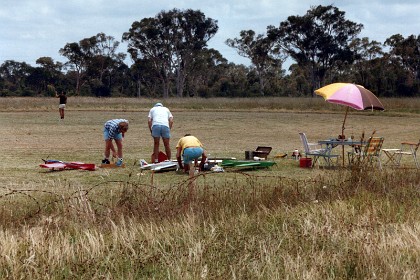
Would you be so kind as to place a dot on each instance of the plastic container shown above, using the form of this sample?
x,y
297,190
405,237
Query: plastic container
x,y
305,162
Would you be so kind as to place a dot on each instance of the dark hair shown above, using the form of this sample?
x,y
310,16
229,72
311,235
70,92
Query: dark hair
x,y
123,126
188,134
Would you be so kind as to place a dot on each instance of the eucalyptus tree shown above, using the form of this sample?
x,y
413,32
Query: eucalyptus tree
x,y
170,40
49,71
194,30
317,40
91,58
151,39
207,68
367,68
407,52
14,75
404,64
78,60
264,53
104,56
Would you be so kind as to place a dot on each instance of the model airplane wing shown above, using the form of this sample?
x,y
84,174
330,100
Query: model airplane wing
x,y
81,165
60,165
53,166
247,163
165,167
161,166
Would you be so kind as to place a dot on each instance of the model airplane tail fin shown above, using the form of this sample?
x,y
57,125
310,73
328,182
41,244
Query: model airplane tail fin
x,y
143,162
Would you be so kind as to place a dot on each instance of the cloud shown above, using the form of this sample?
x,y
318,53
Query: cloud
x,y
32,29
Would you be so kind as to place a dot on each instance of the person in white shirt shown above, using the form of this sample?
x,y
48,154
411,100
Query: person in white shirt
x,y
160,125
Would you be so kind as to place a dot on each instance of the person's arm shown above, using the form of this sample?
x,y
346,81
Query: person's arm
x,y
178,157
171,122
203,160
150,124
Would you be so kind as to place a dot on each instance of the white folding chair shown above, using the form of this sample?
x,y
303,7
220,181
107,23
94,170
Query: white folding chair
x,y
408,149
315,150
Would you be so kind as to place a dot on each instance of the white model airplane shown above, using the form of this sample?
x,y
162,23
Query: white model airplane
x,y
161,166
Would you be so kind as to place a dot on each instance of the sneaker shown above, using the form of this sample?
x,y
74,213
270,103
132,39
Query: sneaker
x,y
105,161
119,162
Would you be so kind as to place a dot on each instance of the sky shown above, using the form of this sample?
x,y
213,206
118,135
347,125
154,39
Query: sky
x,y
30,29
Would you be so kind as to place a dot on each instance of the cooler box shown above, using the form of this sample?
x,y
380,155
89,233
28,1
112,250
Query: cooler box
x,y
305,162
261,152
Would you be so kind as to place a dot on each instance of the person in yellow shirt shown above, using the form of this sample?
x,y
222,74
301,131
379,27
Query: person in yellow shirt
x,y
190,148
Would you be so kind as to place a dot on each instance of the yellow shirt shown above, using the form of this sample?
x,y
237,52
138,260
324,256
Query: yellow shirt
x,y
188,142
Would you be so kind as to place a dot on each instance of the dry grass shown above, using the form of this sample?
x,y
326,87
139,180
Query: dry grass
x,y
283,222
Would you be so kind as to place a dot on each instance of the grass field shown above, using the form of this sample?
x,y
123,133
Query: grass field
x,y
276,223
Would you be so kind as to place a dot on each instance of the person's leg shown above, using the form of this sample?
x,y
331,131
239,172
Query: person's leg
x,y
119,148
191,169
167,147
61,110
113,152
156,134
108,145
156,141
186,167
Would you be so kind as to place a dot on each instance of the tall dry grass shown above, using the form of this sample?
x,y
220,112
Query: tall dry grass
x,y
359,224
281,223
302,104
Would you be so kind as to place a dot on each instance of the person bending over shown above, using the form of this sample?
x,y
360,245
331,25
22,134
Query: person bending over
x,y
114,130
190,148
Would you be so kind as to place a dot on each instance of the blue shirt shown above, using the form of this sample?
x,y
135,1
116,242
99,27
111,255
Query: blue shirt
x,y
113,127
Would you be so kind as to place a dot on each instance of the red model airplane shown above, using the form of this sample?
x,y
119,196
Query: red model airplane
x,y
61,165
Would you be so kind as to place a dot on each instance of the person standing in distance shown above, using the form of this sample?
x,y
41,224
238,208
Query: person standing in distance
x,y
160,125
62,104
114,130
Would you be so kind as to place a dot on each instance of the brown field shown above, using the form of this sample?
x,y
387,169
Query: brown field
x,y
282,222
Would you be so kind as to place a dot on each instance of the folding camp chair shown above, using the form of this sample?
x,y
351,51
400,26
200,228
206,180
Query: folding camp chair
x,y
408,149
316,151
369,153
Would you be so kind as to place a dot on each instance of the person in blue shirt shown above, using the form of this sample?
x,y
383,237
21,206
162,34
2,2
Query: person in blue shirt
x,y
114,130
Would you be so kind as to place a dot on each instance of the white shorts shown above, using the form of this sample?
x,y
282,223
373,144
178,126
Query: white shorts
x,y
61,106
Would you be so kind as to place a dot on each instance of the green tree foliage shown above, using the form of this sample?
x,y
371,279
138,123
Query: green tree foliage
x,y
405,52
265,56
48,73
14,75
171,41
78,57
171,58
91,59
318,40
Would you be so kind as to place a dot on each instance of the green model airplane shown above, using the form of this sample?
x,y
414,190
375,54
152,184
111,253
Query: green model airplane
x,y
247,163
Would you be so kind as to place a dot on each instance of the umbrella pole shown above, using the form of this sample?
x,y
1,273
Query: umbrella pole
x,y
342,132
344,121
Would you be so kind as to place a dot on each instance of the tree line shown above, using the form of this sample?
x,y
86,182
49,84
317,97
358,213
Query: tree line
x,y
171,59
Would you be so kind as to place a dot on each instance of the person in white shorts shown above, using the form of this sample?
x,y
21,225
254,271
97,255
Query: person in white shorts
x,y
63,102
